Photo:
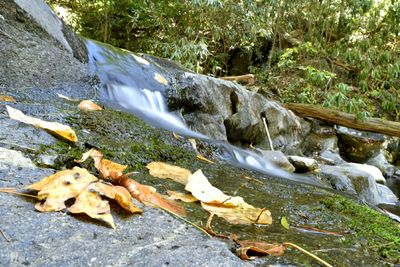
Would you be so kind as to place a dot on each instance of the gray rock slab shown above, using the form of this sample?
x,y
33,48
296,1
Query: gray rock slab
x,y
155,238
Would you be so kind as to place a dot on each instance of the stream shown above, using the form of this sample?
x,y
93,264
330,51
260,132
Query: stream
x,y
133,84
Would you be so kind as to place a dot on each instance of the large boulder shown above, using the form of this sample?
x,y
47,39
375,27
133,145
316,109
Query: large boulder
x,y
36,48
225,110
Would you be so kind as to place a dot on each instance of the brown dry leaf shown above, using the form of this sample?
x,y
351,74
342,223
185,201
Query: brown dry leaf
x,y
188,198
164,170
232,209
90,202
7,98
119,193
159,78
89,105
149,196
249,249
61,186
109,170
55,128
124,198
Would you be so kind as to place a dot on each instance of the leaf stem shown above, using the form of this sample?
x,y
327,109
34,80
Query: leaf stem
x,y
308,253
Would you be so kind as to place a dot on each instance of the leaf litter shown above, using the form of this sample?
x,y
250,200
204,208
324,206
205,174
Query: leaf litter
x,y
78,183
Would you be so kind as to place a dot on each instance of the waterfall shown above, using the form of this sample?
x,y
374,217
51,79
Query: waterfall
x,y
131,83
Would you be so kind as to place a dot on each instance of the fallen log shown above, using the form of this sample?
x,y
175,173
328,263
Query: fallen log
x,y
247,79
375,125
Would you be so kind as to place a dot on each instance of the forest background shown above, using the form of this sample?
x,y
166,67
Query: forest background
x,y
342,54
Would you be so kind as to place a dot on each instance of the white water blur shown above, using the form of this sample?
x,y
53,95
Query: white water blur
x,y
129,84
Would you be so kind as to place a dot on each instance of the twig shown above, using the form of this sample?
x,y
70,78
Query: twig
x,y
308,253
183,219
268,136
17,145
12,191
8,239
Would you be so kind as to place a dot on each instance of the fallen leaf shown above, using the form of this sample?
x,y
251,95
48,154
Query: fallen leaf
x,y
89,105
201,157
189,198
159,78
285,223
124,199
61,186
193,143
7,98
90,202
149,196
109,170
250,249
232,209
177,137
164,170
55,128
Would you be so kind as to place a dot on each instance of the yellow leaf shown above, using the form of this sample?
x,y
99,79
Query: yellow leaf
x,y
54,128
159,78
89,202
189,198
123,197
7,98
242,214
109,170
232,209
89,105
201,157
164,170
61,186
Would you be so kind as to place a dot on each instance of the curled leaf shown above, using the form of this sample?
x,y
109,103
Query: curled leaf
x,y
109,170
149,196
164,170
54,128
248,250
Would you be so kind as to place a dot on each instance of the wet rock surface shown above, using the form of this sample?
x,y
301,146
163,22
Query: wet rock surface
x,y
41,70
227,111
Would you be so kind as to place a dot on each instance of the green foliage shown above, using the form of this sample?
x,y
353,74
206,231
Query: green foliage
x,y
313,45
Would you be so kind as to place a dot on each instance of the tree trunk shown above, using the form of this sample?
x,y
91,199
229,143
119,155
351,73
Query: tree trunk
x,y
375,125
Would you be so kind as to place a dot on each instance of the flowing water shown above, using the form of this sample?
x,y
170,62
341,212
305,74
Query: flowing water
x,y
133,84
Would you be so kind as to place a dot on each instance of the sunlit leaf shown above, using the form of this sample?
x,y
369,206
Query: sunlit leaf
x,y
165,170
7,98
54,128
232,209
61,186
89,105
